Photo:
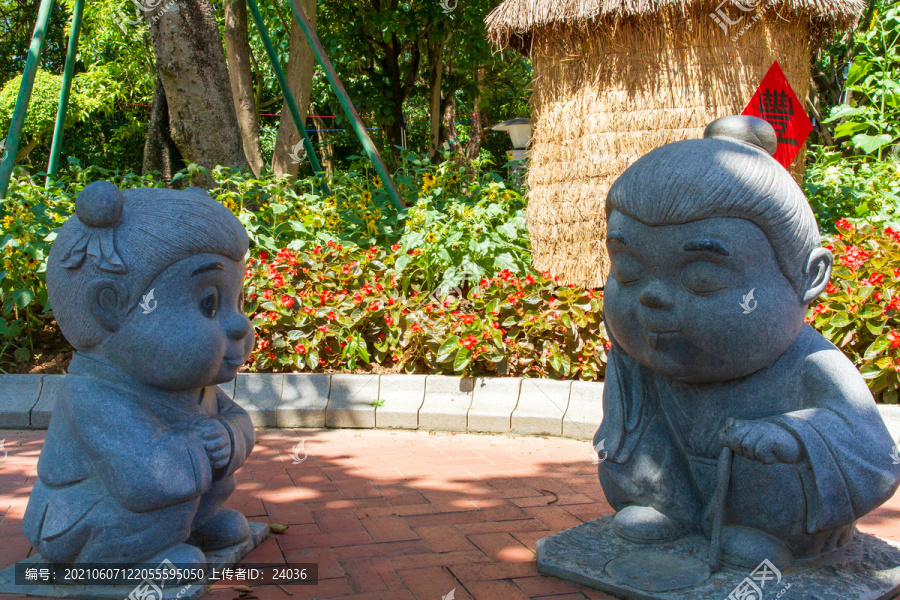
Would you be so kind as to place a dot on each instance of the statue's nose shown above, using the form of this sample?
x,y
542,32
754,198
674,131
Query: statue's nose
x,y
237,326
655,295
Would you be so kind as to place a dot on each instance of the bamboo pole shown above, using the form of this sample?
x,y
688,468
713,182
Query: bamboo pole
x,y
71,55
14,137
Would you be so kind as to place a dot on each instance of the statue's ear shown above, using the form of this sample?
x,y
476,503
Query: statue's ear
x,y
107,302
816,275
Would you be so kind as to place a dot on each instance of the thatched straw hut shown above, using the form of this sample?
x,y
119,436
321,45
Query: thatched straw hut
x,y
614,79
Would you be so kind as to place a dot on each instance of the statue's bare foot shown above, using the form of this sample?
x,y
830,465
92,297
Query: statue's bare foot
x,y
646,525
747,548
226,528
181,555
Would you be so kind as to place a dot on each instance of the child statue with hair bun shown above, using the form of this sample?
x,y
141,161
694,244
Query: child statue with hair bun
x,y
715,256
140,455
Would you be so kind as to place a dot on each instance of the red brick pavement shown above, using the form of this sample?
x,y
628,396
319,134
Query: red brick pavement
x,y
398,515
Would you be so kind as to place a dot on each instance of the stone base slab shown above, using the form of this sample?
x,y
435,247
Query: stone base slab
x,y
868,569
218,559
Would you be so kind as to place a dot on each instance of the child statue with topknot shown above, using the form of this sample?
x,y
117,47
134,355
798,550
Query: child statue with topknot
x,y
141,451
715,256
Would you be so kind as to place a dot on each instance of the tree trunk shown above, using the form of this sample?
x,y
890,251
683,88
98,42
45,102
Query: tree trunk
x,y
191,66
449,130
160,152
477,135
237,48
326,146
435,69
301,61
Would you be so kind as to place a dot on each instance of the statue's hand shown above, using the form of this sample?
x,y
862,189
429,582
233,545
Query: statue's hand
x,y
760,440
216,441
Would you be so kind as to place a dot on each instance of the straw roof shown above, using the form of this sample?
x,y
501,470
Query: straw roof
x,y
513,21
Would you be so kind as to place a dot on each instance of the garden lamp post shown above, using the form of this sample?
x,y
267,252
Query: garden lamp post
x,y
519,130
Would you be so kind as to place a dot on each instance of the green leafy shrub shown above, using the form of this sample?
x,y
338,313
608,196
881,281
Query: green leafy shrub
x,y
331,307
860,310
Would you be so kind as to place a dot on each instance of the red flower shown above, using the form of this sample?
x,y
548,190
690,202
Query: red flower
x,y
264,344
287,301
467,319
263,256
395,247
375,305
820,308
323,328
388,320
272,316
830,289
894,338
843,223
875,278
469,341
894,303
415,327
854,257
300,348
268,294
893,233
331,316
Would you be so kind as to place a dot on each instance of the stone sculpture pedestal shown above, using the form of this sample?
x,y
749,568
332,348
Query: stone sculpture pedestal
x,y
218,559
868,569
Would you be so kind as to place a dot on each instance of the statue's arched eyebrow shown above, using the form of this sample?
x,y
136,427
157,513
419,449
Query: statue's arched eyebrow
x,y
616,236
706,245
210,266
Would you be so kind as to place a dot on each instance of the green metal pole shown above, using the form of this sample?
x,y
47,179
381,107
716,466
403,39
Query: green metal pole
x,y
288,97
68,72
18,116
347,104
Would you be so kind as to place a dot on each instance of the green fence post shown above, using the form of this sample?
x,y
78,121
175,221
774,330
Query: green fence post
x,y
18,116
71,54
288,97
347,104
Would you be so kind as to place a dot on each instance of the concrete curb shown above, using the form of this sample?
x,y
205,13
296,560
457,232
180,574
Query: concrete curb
x,y
571,409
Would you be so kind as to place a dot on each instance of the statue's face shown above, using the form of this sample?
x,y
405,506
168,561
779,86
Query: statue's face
x,y
195,333
678,299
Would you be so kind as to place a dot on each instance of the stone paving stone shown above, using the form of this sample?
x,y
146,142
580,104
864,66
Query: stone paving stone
x,y
403,396
40,414
350,401
19,395
397,539
493,401
891,415
447,402
542,404
259,394
585,410
228,386
304,399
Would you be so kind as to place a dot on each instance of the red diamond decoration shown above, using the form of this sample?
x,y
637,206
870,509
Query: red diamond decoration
x,y
776,102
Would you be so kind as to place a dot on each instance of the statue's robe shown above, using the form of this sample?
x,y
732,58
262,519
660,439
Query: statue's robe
x,y
662,439
122,475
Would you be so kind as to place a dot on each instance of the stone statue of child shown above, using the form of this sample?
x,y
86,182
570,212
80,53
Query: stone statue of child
x,y
139,458
715,256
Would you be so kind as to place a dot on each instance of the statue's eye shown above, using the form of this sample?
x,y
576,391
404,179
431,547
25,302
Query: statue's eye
x,y
626,269
704,278
209,304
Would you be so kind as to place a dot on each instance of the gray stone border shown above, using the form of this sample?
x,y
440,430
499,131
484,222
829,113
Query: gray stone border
x,y
571,409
